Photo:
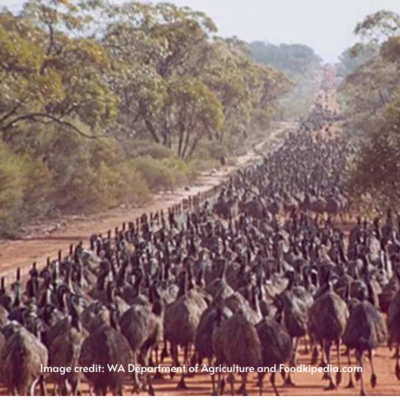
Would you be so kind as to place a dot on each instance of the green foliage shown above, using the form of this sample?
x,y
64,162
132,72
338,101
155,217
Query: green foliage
x,y
158,176
378,26
372,99
355,57
13,179
292,59
300,63
80,175
390,50
142,148
102,103
24,189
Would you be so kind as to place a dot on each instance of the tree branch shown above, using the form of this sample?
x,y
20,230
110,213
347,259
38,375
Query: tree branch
x,y
36,117
9,114
51,39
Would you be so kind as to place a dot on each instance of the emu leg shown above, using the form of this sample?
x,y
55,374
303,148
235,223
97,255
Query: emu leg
x,y
306,349
158,375
151,362
42,385
192,363
150,389
397,370
243,390
164,353
221,383
323,359
272,380
314,354
182,384
176,352
64,388
360,362
374,378
175,361
339,373
260,383
296,345
55,389
288,381
213,383
92,390
323,363
327,348
75,387
231,381
136,380
100,391
351,383
146,378
187,355
31,390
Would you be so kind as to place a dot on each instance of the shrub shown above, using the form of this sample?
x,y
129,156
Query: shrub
x,y
182,172
24,189
13,178
157,175
130,186
37,190
142,148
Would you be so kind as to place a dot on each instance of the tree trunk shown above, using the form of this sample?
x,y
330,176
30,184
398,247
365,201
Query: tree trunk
x,y
151,129
181,135
185,147
193,148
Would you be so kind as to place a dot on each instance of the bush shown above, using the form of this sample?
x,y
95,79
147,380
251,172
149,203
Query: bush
x,y
24,189
130,187
37,190
97,176
218,150
182,172
13,178
77,175
141,148
199,165
157,175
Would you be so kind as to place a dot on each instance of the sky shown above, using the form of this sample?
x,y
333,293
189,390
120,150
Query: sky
x,y
326,26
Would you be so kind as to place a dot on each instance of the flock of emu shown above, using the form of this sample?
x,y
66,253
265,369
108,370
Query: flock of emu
x,y
240,279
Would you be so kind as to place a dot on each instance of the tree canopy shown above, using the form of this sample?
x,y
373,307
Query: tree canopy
x,y
83,82
372,102
301,64
292,59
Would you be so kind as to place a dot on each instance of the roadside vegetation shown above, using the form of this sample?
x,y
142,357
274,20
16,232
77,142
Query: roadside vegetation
x,y
106,104
370,96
